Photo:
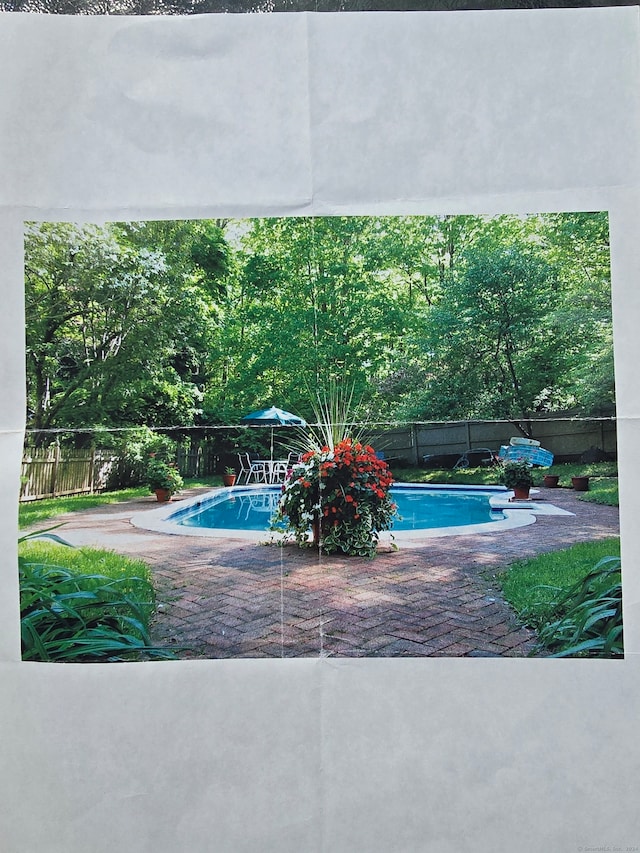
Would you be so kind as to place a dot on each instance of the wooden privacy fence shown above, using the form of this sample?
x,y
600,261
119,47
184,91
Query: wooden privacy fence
x,y
197,461
49,472
566,438
55,471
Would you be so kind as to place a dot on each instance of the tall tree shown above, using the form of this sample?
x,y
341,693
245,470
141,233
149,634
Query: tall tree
x,y
492,352
115,330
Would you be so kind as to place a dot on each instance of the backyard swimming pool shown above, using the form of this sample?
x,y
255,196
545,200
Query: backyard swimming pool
x,y
418,509
423,511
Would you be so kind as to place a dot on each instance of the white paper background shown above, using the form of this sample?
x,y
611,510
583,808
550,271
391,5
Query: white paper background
x,y
276,114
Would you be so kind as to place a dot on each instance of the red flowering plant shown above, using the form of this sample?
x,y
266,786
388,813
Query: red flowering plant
x,y
340,493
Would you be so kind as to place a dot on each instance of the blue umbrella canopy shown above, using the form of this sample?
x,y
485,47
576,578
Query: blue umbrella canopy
x,y
274,417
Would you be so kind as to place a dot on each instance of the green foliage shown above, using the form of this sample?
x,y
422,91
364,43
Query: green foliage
x,y
494,349
134,447
163,475
71,612
576,610
586,619
180,323
120,321
531,585
516,474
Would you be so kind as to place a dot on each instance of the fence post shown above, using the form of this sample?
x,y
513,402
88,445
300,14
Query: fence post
x,y
92,470
414,444
54,470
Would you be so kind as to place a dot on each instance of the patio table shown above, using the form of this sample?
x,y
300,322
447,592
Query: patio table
x,y
268,470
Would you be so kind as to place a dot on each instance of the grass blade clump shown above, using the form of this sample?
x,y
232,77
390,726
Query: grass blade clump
x,y
70,613
588,616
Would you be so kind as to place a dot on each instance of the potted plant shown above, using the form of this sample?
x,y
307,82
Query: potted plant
x,y
342,495
517,475
163,478
551,481
229,476
580,484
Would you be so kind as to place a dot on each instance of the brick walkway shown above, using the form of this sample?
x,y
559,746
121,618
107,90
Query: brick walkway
x,y
229,598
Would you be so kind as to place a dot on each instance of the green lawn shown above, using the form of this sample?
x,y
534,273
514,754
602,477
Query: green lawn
x,y
83,560
603,484
84,604
530,586
462,477
35,512
603,480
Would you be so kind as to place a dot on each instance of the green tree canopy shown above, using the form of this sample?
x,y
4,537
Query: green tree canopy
x,y
118,327
426,317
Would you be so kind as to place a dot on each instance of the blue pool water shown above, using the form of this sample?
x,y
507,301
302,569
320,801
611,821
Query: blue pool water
x,y
419,508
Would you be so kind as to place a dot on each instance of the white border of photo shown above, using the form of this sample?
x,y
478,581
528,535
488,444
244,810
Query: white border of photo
x,y
253,115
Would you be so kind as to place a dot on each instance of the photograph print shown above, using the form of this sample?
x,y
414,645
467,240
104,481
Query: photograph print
x,y
358,436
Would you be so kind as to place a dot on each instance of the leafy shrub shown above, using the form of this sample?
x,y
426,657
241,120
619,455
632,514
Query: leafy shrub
x,y
516,474
133,453
163,475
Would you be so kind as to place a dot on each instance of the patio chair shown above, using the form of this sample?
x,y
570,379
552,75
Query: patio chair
x,y
245,468
259,470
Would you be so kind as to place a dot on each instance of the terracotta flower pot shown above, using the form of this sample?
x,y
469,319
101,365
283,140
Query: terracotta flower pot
x,y
163,495
580,484
229,479
521,493
551,481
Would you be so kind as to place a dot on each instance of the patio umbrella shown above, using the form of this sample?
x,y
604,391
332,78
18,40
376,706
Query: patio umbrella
x,y
274,417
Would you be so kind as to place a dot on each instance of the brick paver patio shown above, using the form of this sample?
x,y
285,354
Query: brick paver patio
x,y
230,598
